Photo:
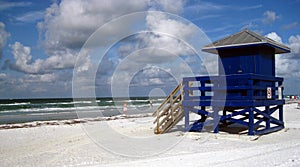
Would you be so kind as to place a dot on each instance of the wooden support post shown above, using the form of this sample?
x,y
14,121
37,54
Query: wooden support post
x,y
268,119
280,107
186,119
224,122
216,119
251,121
202,84
224,112
157,123
171,108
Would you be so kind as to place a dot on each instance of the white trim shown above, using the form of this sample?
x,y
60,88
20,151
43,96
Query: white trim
x,y
232,45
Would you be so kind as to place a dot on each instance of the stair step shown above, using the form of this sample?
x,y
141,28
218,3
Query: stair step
x,y
173,124
170,112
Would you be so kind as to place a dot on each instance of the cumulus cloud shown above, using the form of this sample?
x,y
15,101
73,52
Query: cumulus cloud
x,y
287,67
33,78
151,75
294,43
155,56
25,63
2,76
70,23
274,36
269,17
23,58
160,22
67,25
3,38
163,40
35,85
287,64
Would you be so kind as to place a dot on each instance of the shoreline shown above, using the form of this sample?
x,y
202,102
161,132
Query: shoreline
x,y
70,121
83,120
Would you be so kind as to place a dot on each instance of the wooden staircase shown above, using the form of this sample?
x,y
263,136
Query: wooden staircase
x,y
170,112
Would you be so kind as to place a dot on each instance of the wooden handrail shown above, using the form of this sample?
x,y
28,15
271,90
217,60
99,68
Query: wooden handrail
x,y
169,113
167,116
168,98
162,106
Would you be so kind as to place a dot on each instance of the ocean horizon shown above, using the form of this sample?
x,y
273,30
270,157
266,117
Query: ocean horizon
x,y
47,109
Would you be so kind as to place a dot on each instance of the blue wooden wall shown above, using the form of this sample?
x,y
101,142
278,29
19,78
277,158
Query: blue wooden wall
x,y
257,59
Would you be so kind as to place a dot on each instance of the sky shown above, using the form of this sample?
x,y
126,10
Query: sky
x,y
79,48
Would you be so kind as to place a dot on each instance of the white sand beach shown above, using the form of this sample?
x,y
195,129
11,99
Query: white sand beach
x,y
131,142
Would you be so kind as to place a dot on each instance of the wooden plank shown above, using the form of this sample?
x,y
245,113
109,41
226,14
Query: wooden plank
x,y
169,111
167,99
168,116
178,118
168,124
270,130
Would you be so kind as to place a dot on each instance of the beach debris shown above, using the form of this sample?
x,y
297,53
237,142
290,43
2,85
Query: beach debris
x,y
255,138
71,122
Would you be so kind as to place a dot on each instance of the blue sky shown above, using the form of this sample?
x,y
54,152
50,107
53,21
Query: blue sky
x,y
40,43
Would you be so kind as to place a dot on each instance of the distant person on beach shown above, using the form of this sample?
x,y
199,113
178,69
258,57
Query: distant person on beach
x,y
124,108
151,105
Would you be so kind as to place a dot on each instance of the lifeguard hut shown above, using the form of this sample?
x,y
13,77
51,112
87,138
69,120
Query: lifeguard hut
x,y
246,92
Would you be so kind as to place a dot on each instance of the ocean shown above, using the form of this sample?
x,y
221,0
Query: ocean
x,y
29,110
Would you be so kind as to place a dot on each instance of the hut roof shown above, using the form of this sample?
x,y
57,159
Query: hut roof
x,y
245,38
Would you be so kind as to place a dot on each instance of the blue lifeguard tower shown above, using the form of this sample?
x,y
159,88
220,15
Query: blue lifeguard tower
x,y
246,91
